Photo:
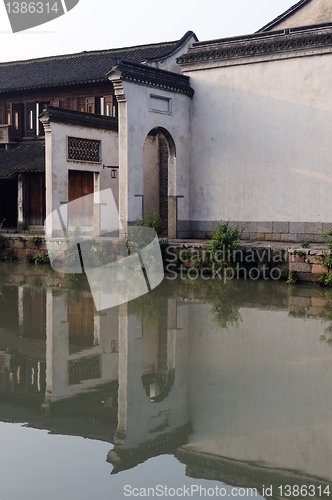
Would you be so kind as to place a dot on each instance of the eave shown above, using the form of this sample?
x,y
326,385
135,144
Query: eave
x,y
287,43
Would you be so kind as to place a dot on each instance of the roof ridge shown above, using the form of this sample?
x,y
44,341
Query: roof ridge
x,y
151,76
284,15
96,52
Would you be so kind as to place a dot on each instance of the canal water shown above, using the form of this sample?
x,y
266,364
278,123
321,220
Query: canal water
x,y
198,389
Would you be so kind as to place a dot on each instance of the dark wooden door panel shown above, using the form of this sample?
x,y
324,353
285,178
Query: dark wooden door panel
x,y
80,184
35,194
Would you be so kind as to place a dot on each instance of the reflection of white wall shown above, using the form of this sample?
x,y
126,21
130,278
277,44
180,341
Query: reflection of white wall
x,y
138,417
57,349
261,391
258,132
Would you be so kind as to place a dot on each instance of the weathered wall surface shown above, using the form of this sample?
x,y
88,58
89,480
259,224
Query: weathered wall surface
x,y
151,173
316,12
142,111
58,166
261,147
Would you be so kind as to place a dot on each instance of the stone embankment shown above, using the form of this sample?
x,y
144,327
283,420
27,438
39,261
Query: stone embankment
x,y
23,245
304,263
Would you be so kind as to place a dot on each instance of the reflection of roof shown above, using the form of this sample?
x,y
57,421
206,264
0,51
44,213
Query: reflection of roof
x,y
242,474
80,118
64,424
284,15
126,458
84,67
22,158
80,415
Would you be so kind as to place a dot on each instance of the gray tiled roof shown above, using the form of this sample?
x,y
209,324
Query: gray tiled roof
x,y
84,67
80,118
22,158
141,73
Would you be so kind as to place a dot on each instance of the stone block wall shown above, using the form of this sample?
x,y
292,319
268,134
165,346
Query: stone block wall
x,y
260,231
306,264
21,247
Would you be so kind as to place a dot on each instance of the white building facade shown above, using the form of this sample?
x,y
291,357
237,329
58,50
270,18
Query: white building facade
x,y
238,130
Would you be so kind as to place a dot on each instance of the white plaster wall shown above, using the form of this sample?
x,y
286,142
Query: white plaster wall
x,y
261,141
135,122
151,174
315,12
57,165
261,391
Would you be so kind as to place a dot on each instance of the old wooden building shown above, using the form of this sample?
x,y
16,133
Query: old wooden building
x,y
75,82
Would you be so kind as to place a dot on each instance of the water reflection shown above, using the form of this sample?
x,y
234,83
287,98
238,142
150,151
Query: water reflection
x,y
233,380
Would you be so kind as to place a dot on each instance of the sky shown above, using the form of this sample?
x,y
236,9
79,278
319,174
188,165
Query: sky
x,y
105,24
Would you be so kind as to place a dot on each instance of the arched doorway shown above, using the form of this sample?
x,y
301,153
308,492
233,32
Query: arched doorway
x,y
159,173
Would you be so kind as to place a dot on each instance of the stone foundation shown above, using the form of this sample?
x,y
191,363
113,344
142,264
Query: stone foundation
x,y
22,246
305,263
259,231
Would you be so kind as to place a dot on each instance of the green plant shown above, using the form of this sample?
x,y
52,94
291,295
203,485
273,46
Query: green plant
x,y
151,219
326,259
37,259
225,240
291,277
325,237
304,244
34,239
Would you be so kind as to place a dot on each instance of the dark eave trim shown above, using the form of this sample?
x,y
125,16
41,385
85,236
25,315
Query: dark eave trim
x,y
54,114
53,85
181,43
289,12
153,77
288,41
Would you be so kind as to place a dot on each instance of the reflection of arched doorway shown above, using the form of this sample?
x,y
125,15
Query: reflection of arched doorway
x,y
159,161
158,355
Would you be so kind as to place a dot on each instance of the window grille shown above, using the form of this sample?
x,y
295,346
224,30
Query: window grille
x,y
86,368
83,149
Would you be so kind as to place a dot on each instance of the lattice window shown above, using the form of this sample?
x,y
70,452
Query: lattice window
x,y
83,149
86,368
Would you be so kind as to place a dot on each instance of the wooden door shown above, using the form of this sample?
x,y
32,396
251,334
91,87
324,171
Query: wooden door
x,y
81,322
80,184
35,198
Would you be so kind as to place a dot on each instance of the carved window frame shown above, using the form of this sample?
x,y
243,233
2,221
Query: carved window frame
x,y
81,160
